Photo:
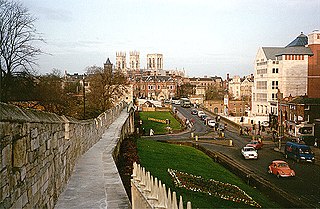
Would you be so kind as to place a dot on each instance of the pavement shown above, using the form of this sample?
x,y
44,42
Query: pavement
x,y
95,182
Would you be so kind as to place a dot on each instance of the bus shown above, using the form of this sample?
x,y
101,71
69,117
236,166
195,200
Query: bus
x,y
185,102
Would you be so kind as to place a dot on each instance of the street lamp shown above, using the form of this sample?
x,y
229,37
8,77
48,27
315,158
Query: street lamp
x,y
84,96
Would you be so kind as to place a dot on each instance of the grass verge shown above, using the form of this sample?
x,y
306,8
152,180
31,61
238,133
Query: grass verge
x,y
159,128
157,157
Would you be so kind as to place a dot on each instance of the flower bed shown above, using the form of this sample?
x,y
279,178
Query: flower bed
x,y
212,187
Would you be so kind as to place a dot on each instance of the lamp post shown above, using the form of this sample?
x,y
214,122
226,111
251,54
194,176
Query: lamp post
x,y
84,96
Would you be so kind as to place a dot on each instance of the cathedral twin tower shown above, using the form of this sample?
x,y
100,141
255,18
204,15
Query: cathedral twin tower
x,y
154,61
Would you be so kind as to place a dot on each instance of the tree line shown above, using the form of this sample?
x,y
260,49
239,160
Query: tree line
x,y
51,92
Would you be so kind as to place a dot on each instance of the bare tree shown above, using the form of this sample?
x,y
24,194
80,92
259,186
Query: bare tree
x,y
17,38
106,87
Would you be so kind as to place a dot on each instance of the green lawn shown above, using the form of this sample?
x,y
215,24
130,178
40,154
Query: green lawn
x,y
159,128
157,157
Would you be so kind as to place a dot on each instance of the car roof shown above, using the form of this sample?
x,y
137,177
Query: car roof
x,y
298,145
248,148
279,161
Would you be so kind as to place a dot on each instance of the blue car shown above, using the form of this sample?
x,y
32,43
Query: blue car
x,y
299,152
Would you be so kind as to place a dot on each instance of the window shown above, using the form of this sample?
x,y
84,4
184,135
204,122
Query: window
x,y
275,70
261,97
262,71
274,96
275,84
261,84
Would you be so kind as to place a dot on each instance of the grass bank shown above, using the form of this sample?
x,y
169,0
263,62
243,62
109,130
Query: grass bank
x,y
158,127
157,157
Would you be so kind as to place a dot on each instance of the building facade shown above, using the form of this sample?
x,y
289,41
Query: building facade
x,y
283,68
314,65
154,87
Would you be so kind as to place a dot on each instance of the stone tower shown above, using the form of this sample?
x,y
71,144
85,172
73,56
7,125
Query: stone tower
x,y
121,63
154,61
134,60
108,65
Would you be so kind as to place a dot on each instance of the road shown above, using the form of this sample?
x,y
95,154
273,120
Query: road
x,y
306,183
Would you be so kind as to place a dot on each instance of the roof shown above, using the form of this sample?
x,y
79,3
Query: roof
x,y
296,50
108,62
304,100
301,40
271,52
155,78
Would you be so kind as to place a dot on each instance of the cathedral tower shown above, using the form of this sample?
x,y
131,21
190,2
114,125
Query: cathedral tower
x,y
121,63
134,60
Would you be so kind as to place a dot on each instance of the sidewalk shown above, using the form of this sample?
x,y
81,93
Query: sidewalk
x,y
95,181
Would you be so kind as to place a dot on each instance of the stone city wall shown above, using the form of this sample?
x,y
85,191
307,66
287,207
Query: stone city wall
x,y
39,151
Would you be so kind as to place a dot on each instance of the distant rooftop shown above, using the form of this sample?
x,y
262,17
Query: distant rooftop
x,y
301,40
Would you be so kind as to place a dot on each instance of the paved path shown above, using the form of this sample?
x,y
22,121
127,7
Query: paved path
x,y
95,182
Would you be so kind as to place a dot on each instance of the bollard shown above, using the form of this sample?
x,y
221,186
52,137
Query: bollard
x,y
196,138
230,143
192,134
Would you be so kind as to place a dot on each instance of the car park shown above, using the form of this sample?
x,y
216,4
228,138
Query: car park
x,y
249,153
194,112
280,168
299,152
255,144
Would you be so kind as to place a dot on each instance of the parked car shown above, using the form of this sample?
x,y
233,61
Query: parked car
x,y
200,113
265,123
203,117
194,112
211,123
255,144
249,153
281,169
299,152
221,127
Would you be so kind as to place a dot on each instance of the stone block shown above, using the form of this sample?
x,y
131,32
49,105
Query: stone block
x,y
19,152
6,154
35,143
34,133
23,172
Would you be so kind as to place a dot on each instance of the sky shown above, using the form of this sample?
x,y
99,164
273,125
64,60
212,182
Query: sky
x,y
203,37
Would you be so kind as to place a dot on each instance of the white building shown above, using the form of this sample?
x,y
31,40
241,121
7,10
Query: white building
x,y
283,68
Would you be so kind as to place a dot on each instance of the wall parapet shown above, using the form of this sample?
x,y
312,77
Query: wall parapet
x,y
39,151
149,192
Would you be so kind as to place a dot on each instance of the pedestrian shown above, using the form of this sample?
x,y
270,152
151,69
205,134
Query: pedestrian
x,y
241,131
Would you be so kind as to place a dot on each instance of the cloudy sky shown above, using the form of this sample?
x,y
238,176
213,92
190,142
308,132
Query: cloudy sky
x,y
204,37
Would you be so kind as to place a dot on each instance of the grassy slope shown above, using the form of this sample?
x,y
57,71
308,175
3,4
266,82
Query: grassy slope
x,y
157,157
159,128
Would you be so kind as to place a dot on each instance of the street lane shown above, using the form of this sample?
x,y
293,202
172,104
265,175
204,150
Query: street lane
x,y
306,184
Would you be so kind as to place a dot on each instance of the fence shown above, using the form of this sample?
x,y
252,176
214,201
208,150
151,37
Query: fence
x,y
149,192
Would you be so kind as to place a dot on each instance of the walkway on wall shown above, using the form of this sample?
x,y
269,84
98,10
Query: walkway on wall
x,y
95,182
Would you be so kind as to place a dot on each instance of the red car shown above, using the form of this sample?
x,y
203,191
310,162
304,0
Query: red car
x,y
255,144
281,169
